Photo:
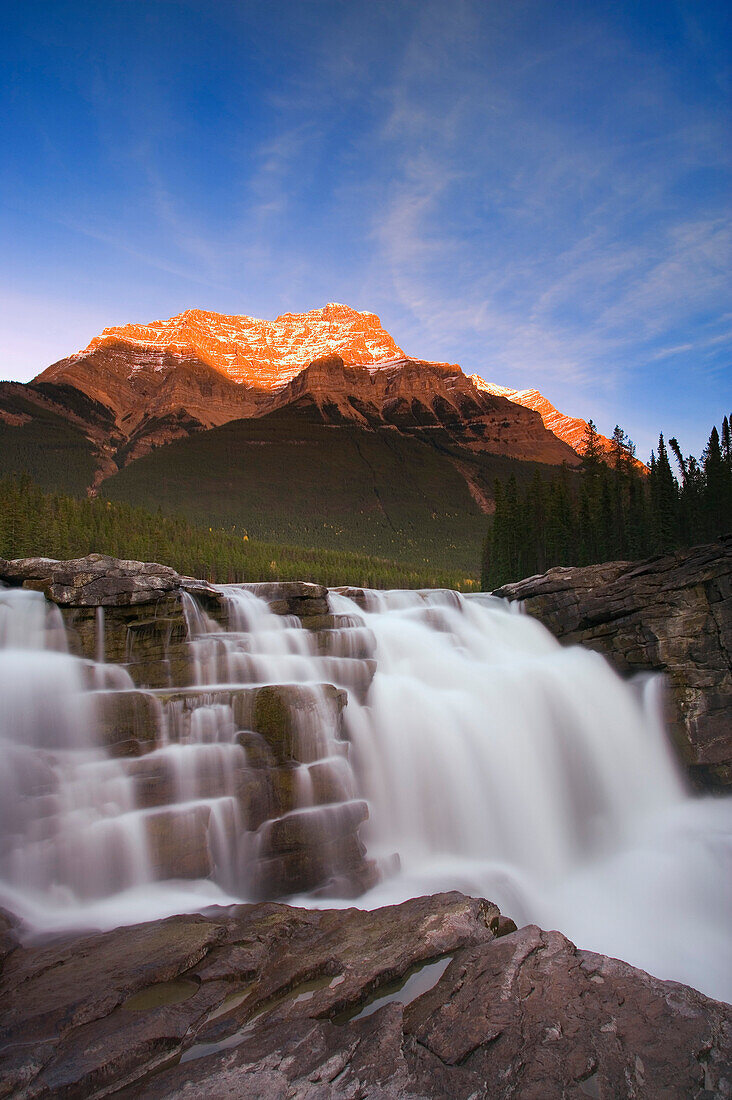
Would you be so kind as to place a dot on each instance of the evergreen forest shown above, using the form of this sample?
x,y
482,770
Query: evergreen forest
x,y
35,523
614,509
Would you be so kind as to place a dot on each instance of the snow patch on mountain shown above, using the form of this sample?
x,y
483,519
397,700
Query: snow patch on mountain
x,y
260,352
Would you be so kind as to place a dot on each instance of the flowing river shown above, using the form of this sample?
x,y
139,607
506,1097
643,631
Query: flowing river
x,y
493,761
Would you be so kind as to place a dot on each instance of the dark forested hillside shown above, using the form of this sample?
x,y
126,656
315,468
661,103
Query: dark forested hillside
x,y
43,444
34,523
291,478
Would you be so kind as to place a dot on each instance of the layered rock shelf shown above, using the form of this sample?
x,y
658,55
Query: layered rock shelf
x,y
439,997
670,614
272,755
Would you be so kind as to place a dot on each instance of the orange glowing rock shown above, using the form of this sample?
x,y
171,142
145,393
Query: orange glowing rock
x,y
571,429
262,353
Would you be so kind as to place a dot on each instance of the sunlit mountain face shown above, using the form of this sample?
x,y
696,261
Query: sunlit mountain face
x,y
571,429
267,355
258,352
316,426
160,381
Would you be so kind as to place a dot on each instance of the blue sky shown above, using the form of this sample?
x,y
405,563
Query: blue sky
x,y
537,190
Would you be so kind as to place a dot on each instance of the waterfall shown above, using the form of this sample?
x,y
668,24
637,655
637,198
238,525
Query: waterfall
x,y
492,759
502,764
66,822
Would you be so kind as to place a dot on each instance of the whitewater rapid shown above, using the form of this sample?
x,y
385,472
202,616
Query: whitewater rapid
x,y
501,764
493,760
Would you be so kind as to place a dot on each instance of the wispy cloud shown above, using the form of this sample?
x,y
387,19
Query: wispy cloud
x,y
538,191
119,243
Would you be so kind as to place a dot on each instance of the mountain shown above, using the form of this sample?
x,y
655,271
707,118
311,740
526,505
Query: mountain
x,y
298,476
247,350
571,429
198,370
163,380
314,427
421,398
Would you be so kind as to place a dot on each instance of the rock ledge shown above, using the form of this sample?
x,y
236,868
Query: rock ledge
x,y
268,1001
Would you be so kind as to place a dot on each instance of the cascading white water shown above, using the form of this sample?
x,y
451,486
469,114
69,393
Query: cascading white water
x,y
89,837
494,761
501,764
66,824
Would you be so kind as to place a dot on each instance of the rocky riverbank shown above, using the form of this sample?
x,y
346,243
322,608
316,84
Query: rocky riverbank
x,y
439,997
670,614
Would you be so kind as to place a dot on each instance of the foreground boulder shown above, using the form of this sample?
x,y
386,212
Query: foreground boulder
x,y
671,614
269,1001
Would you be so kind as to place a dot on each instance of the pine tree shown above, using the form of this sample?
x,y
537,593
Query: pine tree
x,y
536,521
590,449
492,564
608,529
664,502
717,500
727,442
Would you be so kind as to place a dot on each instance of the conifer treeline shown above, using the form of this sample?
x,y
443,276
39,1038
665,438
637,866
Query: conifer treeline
x,y
34,524
610,511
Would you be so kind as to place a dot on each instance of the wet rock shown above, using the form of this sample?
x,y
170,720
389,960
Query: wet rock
x,y
167,672
127,716
178,842
261,795
671,614
154,783
356,594
291,725
330,780
313,828
266,791
337,869
18,570
83,625
355,643
203,591
535,1017
148,638
265,1000
300,598
9,935
258,752
354,673
503,926
287,590
155,652
295,720
330,622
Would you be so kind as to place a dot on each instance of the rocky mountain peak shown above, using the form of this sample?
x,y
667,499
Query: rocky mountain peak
x,y
571,429
257,352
